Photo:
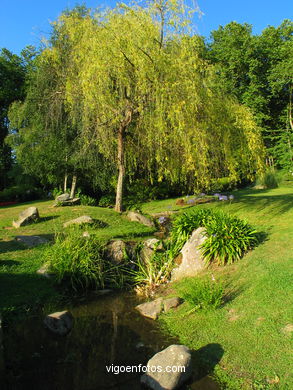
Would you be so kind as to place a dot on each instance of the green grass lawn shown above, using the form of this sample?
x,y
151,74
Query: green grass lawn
x,y
20,286
249,328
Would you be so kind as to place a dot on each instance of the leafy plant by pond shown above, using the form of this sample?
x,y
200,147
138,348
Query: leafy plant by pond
x,y
228,237
201,293
82,262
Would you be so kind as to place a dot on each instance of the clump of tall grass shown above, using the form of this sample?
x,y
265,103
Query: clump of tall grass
x,y
82,261
201,293
268,179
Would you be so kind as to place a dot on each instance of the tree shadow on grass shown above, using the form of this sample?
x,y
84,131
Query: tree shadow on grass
x,y
15,245
46,219
9,263
276,204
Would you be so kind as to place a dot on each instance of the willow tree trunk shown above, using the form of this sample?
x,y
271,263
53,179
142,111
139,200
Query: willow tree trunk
x,y
120,158
121,169
73,186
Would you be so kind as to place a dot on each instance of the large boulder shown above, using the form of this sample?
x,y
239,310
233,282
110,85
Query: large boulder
x,y
151,309
137,217
31,241
116,251
27,216
79,221
168,369
192,261
69,202
62,197
60,322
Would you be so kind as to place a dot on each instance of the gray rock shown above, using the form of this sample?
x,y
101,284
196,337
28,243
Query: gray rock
x,y
60,322
31,241
137,217
79,221
192,259
62,198
171,303
151,309
45,271
162,379
69,202
146,254
27,216
116,251
153,243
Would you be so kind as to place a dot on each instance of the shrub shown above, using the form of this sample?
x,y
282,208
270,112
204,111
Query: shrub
x,y
149,274
268,179
201,293
228,237
56,192
86,200
21,193
81,261
107,200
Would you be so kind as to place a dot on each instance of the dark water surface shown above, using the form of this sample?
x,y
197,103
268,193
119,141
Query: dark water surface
x,y
107,331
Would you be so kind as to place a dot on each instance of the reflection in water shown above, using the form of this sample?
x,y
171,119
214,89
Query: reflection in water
x,y
107,331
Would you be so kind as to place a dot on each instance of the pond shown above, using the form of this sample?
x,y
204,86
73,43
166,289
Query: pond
x,y
107,332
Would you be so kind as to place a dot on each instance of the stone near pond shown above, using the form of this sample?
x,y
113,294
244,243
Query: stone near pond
x,y
79,221
173,356
146,254
151,309
62,198
192,259
27,216
153,243
116,251
171,303
60,323
137,217
31,241
45,271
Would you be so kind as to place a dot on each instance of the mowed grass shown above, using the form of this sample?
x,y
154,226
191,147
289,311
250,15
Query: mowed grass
x,y
21,288
253,326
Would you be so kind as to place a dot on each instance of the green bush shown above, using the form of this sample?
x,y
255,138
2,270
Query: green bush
x,y
21,193
56,192
86,200
107,200
268,179
81,261
228,237
201,293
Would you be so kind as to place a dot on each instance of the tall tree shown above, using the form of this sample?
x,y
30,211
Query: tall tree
x,y
12,77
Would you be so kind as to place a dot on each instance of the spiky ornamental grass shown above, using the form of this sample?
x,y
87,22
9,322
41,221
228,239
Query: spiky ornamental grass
x,y
228,237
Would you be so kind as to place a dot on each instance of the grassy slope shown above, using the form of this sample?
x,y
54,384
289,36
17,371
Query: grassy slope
x,y
250,326
20,286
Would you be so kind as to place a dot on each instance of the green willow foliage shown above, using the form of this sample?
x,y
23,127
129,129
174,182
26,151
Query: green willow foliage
x,y
124,72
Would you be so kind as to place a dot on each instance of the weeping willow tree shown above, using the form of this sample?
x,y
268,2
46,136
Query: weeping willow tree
x,y
136,86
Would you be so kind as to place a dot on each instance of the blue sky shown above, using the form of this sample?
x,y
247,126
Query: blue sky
x,y
25,22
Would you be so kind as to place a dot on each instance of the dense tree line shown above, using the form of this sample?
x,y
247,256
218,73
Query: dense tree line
x,y
131,93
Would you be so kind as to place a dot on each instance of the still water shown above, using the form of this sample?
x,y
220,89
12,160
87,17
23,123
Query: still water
x,y
107,331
